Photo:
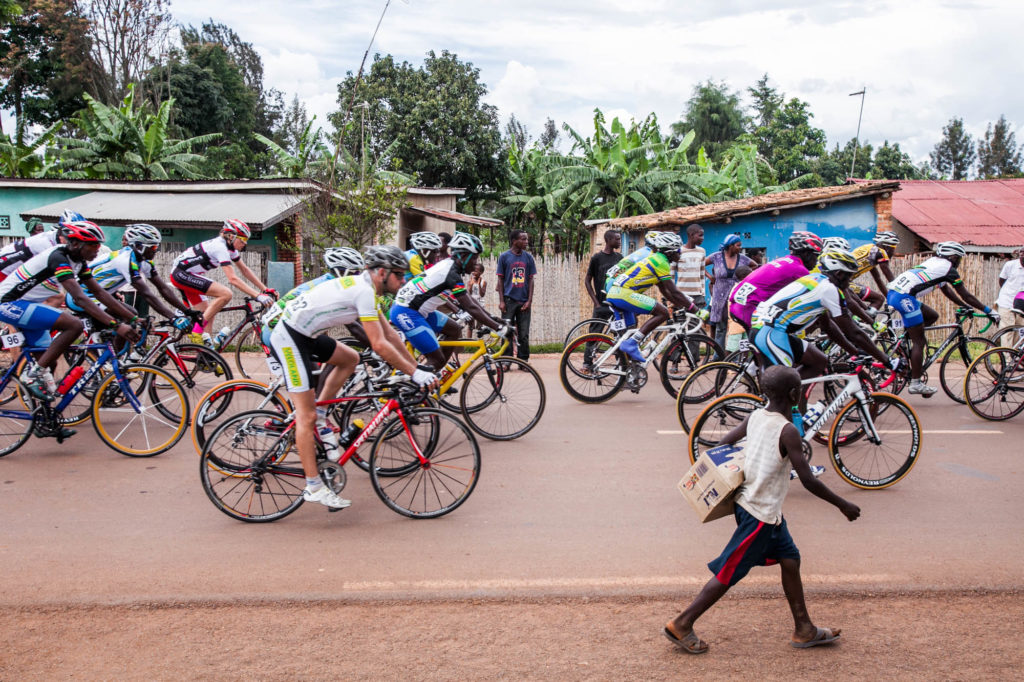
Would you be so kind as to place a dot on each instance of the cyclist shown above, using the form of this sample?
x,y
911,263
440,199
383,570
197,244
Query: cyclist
x,y
876,257
300,338
223,251
415,311
626,297
426,246
630,259
857,296
798,305
938,271
22,306
765,281
134,265
13,255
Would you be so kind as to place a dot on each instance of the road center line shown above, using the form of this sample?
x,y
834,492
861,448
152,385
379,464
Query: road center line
x,y
937,432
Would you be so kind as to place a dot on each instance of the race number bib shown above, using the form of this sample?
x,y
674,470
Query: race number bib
x,y
618,325
766,314
896,323
743,292
275,367
12,340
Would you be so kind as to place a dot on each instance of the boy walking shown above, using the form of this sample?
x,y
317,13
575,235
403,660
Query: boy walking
x,y
762,538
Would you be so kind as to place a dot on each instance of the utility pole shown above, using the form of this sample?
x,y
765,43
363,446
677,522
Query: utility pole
x,y
856,140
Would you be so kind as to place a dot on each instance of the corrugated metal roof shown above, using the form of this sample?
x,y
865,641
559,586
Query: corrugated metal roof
x,y
456,217
975,213
203,209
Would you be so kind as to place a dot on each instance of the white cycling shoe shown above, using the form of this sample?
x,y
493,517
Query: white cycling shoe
x,y
326,497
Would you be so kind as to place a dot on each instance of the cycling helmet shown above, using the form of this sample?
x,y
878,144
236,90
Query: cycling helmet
x,y
835,244
950,249
664,241
835,260
463,242
142,234
390,257
83,231
425,241
805,241
887,238
237,227
69,216
343,258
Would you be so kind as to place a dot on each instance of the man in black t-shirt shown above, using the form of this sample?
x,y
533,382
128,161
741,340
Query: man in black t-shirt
x,y
597,270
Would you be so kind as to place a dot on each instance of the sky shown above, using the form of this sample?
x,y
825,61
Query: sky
x,y
921,62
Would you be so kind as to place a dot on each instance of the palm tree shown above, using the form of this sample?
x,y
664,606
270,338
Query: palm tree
x,y
21,160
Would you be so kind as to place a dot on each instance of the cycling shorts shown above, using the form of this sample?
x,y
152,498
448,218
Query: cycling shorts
x,y
630,303
1018,303
35,320
779,347
193,286
420,331
296,352
908,306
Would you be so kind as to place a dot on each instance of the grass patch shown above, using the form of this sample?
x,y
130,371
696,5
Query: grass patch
x,y
546,348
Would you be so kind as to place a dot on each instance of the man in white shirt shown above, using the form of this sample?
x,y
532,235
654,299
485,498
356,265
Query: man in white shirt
x,y
688,272
1011,283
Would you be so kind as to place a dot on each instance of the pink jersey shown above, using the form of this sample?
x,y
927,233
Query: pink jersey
x,y
762,284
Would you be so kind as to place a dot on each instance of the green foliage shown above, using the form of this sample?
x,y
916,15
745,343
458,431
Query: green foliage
x,y
354,215
715,116
999,156
783,133
21,160
739,175
891,163
954,155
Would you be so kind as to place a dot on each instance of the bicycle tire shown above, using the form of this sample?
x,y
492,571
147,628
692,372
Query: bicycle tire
x,y
994,384
718,418
676,365
501,403
709,381
1008,337
251,364
600,325
249,468
600,386
15,431
201,369
239,395
949,378
869,465
114,417
441,484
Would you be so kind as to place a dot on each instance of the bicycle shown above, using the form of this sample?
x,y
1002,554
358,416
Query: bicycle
x,y
137,410
873,443
994,383
250,469
593,369
250,329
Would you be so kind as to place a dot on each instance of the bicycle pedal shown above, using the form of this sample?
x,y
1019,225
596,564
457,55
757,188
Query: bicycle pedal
x,y
64,434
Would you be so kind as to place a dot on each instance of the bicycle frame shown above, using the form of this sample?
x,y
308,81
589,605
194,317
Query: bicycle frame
x,y
251,319
481,350
669,332
853,388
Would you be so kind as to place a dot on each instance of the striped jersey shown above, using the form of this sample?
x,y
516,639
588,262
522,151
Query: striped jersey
x,y
797,305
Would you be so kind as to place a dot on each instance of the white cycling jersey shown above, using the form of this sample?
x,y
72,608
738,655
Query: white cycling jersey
x,y
38,278
120,268
797,305
13,255
332,303
424,292
920,279
206,256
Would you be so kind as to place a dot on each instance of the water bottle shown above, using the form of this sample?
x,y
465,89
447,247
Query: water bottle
x,y
73,376
798,422
350,433
813,412
221,335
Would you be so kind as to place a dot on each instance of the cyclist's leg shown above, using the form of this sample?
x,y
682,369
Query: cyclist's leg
x,y
419,333
193,292
631,304
218,297
913,314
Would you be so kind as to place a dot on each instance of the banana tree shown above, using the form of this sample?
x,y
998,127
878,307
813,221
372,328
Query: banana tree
x,y
21,160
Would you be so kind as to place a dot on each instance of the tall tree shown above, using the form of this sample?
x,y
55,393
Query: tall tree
x,y
549,136
999,156
516,132
834,168
715,116
891,163
954,155
766,102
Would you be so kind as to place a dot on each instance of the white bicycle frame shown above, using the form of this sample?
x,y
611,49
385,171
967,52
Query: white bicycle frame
x,y
672,329
853,388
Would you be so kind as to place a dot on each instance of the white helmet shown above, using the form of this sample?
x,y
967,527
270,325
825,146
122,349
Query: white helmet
x,y
834,260
887,238
425,241
663,241
950,249
464,242
837,243
142,234
343,258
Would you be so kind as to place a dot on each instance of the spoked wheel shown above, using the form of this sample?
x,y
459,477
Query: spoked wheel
x,y
201,369
1008,337
16,427
147,419
720,417
249,359
502,399
876,445
230,398
250,468
683,356
438,458
593,325
953,367
994,385
709,381
585,376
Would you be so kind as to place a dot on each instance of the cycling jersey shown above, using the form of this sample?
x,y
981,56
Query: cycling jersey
x,y
416,264
645,273
13,255
332,303
206,256
797,305
921,279
38,278
424,292
276,309
115,271
762,284
868,256
625,264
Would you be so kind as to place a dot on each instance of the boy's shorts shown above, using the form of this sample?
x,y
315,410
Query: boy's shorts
x,y
755,543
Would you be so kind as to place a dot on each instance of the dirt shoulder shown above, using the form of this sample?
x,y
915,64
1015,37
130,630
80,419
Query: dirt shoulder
x,y
892,636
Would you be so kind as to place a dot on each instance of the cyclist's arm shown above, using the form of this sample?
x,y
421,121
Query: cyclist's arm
x,y
236,281
970,298
850,332
948,291
886,269
877,276
112,304
393,338
676,297
73,288
399,359
467,303
251,276
151,297
855,305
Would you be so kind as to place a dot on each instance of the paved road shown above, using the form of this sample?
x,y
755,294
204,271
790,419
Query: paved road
x,y
585,505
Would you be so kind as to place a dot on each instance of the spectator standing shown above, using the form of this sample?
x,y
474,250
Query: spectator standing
x,y
443,253
723,278
1011,283
688,272
516,271
597,272
35,226
477,286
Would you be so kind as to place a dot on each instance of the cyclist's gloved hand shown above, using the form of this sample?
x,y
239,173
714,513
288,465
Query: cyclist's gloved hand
x,y
272,293
894,363
504,331
265,299
994,316
871,311
182,323
424,377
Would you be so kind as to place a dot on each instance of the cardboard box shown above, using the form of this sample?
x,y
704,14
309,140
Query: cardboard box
x,y
710,483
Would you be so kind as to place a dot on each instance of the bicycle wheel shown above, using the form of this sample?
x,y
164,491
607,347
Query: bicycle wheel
x,y
866,461
201,369
593,325
720,417
147,419
230,398
436,486
502,400
712,380
955,362
16,426
250,469
683,356
580,375
249,359
994,385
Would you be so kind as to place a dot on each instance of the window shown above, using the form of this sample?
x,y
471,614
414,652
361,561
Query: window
x,y
5,222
